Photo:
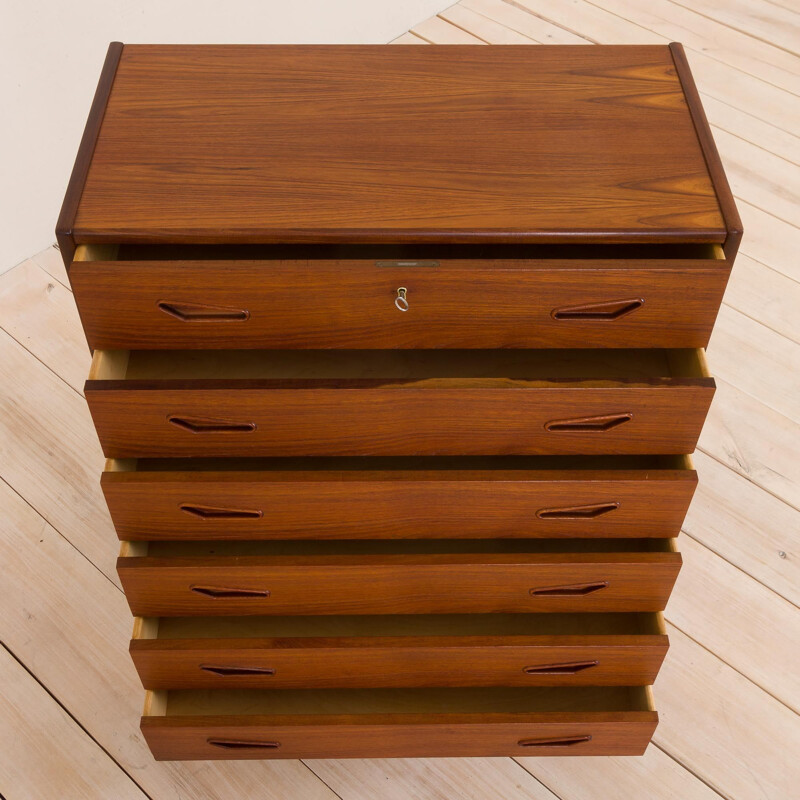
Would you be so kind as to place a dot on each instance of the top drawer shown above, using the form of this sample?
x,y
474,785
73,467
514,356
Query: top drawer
x,y
382,296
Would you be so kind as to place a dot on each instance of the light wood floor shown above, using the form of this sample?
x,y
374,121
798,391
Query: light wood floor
x,y
728,692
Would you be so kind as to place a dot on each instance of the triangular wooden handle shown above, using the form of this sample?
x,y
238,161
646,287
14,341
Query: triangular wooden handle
x,y
609,310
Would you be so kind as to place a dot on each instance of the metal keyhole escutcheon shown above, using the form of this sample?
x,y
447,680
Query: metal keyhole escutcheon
x,y
401,302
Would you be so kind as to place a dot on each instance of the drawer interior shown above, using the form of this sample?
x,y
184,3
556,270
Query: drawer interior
x,y
335,466
388,255
492,365
389,547
623,624
202,702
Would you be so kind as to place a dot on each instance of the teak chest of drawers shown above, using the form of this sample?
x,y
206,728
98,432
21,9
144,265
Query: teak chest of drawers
x,y
398,364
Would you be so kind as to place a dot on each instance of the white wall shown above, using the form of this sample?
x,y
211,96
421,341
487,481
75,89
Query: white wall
x,y
51,52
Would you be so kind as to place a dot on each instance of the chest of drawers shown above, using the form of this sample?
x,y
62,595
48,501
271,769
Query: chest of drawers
x,y
398,364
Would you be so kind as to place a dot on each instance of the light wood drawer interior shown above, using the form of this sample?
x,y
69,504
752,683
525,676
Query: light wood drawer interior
x,y
389,256
502,700
470,368
316,550
462,468
439,625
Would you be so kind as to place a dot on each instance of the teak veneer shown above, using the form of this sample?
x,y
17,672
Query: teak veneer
x,y
469,296
223,144
415,498
322,403
397,576
380,723
399,651
397,365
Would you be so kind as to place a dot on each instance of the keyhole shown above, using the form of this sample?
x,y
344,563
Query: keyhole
x,y
401,302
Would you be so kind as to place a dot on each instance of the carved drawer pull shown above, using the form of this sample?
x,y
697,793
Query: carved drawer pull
x,y
569,590
241,744
202,425
604,422
196,312
212,512
561,741
610,310
560,669
577,512
226,672
221,592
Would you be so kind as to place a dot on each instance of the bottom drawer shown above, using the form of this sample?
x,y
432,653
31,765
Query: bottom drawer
x,y
384,723
399,651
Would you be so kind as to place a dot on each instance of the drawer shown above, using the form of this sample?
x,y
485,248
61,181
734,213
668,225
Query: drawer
x,y
394,402
382,723
398,651
399,497
397,576
456,296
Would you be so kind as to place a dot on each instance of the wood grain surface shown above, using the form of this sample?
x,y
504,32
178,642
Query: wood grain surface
x,y
339,499
399,651
460,143
267,418
387,662
421,736
51,461
730,213
346,303
349,581
69,208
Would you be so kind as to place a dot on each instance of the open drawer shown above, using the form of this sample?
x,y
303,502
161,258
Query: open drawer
x,y
397,576
382,723
399,497
395,402
398,651
379,296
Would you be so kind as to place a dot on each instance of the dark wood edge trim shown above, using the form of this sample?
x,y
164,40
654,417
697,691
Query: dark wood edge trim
x,y
623,717
622,265
633,644
416,235
730,213
69,208
230,565
364,384
426,476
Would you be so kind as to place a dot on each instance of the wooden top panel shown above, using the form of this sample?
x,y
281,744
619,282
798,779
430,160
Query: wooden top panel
x,y
229,143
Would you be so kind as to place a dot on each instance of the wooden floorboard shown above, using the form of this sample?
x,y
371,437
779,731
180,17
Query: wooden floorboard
x,y
774,23
719,42
729,689
71,626
432,779
45,753
750,528
654,776
765,295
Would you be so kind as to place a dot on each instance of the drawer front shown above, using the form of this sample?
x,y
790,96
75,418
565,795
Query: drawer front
x,y
435,504
402,735
432,584
255,418
191,304
632,660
